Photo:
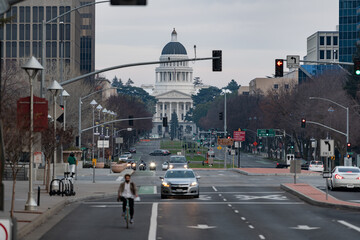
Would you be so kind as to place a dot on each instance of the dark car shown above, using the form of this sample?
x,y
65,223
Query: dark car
x,y
132,150
160,152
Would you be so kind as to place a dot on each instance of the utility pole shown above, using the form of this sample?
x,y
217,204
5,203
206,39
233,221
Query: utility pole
x,y
225,148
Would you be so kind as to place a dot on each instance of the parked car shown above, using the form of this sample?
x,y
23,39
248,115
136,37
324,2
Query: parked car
x,y
177,161
123,158
165,166
128,154
132,150
316,166
179,182
160,152
347,177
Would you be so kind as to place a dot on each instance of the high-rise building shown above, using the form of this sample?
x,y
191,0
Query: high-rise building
x,y
22,38
323,46
349,21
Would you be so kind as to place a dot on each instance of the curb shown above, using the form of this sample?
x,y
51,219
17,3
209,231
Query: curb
x,y
314,202
271,174
55,209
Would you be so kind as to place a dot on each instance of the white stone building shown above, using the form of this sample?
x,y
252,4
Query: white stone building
x,y
173,88
323,46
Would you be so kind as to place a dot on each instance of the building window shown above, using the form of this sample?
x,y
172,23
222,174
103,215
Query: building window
x,y
14,31
22,14
8,32
328,40
276,86
335,40
54,32
286,86
165,107
54,49
35,14
48,49
67,49
27,14
328,54
21,49
35,32
41,14
322,41
14,14
67,31
14,49
27,49
322,54
35,49
8,49
160,115
27,31
67,16
48,13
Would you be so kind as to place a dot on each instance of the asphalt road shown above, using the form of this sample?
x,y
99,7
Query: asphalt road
x,y
220,213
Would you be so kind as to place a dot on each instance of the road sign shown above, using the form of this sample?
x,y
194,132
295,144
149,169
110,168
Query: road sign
x,y
219,147
326,147
255,144
6,229
37,157
233,152
239,136
225,141
265,133
103,144
119,140
293,61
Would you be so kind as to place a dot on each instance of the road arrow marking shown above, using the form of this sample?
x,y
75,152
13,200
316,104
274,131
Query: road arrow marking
x,y
205,198
269,197
202,226
304,227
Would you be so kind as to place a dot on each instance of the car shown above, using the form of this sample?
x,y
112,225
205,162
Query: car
x,y
316,166
165,166
304,165
342,176
132,150
178,161
128,154
123,158
180,182
152,166
160,152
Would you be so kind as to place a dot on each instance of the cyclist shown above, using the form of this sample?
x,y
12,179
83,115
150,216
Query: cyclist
x,y
127,191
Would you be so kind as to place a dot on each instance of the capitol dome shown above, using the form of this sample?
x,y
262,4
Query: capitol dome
x,y
174,47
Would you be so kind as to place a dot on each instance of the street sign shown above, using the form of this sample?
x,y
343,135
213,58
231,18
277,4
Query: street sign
x,y
255,144
239,136
233,152
219,147
326,147
265,133
37,157
119,140
225,141
103,144
327,175
293,61
6,229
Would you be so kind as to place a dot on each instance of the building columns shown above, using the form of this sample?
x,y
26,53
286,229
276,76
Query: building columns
x,y
177,111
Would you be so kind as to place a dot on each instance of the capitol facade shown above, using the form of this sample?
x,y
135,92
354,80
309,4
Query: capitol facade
x,y
173,89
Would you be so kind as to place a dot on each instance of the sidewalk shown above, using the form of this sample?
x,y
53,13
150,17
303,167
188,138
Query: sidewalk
x,y
50,205
273,172
315,196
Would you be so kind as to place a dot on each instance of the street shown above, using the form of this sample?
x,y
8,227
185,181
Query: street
x,y
231,206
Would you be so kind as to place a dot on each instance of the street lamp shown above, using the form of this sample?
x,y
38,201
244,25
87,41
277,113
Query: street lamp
x,y
64,95
225,133
32,67
93,103
104,111
55,89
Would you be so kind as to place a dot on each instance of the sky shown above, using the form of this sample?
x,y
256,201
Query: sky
x,y
250,33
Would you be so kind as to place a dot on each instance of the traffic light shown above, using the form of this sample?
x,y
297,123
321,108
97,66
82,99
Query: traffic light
x,y
131,122
357,66
348,147
221,116
303,122
217,63
279,67
201,142
60,119
165,123
127,2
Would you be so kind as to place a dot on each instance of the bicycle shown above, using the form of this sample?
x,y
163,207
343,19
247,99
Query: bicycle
x,y
127,212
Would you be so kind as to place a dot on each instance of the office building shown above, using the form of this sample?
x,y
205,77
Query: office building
x,y
323,46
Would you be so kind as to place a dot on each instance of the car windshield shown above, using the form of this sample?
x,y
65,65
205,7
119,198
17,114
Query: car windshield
x,y
123,156
316,163
349,170
176,159
179,174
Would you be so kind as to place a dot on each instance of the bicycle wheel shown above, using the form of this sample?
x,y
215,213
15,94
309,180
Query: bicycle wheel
x,y
127,217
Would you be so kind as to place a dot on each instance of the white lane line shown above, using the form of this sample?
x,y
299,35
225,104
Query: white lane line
x,y
120,179
220,195
251,226
229,205
201,203
224,199
153,222
214,188
236,211
155,190
242,218
261,237
349,225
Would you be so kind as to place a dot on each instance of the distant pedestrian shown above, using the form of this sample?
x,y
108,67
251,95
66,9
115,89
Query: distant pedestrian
x,y
72,163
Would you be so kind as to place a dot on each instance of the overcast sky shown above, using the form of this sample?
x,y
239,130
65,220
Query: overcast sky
x,y
251,33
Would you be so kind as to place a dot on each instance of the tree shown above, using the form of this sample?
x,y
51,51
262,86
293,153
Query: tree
x,y
117,82
129,82
206,95
233,86
174,125
139,93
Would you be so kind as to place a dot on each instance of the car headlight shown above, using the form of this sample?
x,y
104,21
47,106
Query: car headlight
x,y
185,166
194,184
152,164
165,184
171,166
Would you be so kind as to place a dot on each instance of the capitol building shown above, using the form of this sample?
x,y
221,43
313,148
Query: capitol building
x,y
173,89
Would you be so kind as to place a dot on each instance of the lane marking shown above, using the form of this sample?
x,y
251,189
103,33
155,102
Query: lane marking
x,y
214,188
224,199
349,225
153,222
200,203
270,197
251,226
155,190
261,237
220,195
242,218
229,205
244,192
236,211
120,179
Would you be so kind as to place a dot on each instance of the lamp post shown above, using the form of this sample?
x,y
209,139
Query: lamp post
x,y
225,133
93,103
32,67
64,95
104,111
55,89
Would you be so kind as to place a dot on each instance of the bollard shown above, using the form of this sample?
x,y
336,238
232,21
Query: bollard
x,y
38,200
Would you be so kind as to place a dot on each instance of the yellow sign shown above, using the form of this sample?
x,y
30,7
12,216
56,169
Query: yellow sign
x,y
219,147
332,157
94,161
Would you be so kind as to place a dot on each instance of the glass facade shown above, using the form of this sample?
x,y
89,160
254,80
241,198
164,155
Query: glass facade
x,y
306,72
349,19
